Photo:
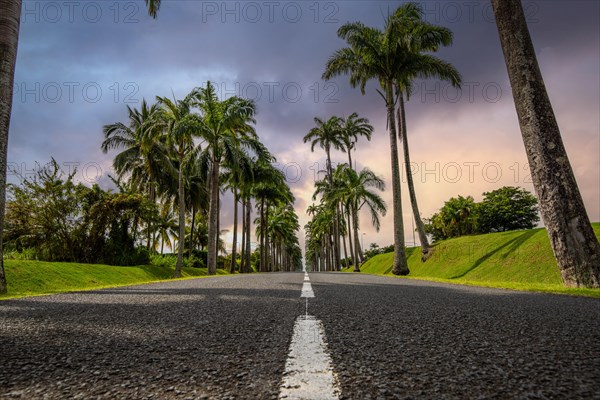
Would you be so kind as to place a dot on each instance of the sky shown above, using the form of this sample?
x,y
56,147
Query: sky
x,y
81,63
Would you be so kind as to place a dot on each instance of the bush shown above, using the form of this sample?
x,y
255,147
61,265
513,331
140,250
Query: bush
x,y
194,262
163,260
201,255
25,254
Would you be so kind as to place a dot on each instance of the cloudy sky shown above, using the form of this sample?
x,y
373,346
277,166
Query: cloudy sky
x,y
81,63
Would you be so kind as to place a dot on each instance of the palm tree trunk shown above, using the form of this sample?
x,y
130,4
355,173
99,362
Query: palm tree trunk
x,y
275,256
350,159
341,213
151,197
192,231
267,244
327,252
243,244
213,213
357,249
179,263
218,230
248,243
350,233
9,39
575,246
403,134
400,265
263,267
336,240
235,224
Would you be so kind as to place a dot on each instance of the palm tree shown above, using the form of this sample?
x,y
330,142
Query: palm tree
x,y
226,128
573,241
236,176
143,159
167,227
354,127
9,39
318,232
373,54
414,36
179,125
269,189
328,134
143,156
330,202
196,194
356,193
282,228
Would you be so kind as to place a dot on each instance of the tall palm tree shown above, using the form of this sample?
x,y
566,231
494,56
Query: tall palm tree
x,y
282,228
374,54
330,202
166,227
355,193
573,241
10,15
226,127
318,231
354,127
196,194
143,159
179,125
269,189
414,37
328,134
235,177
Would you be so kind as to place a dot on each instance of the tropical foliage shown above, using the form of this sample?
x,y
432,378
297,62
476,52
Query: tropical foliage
x,y
53,219
173,160
505,209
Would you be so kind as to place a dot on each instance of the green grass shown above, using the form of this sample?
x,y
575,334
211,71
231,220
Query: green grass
x,y
521,260
31,278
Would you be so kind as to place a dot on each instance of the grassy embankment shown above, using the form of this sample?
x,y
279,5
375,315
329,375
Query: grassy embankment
x,y
521,260
30,278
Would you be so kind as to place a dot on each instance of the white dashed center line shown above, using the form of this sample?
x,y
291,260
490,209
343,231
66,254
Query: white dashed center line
x,y
308,369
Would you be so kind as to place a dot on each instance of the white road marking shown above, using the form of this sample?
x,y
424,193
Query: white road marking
x,y
308,370
307,290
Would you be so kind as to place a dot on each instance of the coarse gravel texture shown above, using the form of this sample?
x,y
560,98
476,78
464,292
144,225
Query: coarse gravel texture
x,y
217,338
407,339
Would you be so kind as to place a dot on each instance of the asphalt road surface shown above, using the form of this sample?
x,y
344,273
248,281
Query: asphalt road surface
x,y
230,337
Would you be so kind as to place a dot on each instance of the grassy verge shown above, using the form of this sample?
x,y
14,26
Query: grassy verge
x,y
519,260
31,278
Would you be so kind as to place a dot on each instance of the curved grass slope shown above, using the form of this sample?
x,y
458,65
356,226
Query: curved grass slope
x,y
30,278
514,260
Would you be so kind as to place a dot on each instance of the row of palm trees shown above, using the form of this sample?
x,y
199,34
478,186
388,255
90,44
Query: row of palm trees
x,y
343,193
350,193
183,152
395,57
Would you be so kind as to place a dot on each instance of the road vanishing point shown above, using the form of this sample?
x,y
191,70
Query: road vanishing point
x,y
300,336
